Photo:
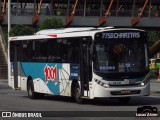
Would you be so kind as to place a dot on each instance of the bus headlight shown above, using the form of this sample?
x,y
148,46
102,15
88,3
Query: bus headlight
x,y
145,82
105,85
142,84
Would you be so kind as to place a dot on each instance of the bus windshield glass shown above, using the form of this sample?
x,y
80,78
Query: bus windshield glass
x,y
120,56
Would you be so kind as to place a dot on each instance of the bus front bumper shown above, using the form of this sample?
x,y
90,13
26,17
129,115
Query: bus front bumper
x,y
127,91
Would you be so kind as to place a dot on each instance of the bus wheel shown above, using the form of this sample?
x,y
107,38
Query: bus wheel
x,y
31,93
124,100
78,97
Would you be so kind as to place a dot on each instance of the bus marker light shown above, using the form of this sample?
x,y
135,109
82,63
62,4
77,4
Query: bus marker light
x,y
99,82
96,80
53,35
105,85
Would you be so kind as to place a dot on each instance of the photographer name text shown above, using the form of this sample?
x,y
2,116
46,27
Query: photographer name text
x,y
146,115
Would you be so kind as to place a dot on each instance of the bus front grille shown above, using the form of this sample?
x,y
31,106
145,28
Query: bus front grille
x,y
125,93
126,85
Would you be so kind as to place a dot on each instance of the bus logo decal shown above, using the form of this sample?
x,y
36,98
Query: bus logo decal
x,y
50,74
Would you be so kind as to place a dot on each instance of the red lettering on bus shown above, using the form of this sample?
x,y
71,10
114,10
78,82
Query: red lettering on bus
x,y
50,73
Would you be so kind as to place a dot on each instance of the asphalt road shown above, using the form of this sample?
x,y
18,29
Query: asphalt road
x,y
14,100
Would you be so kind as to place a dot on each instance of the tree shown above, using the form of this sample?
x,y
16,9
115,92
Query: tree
x,y
51,23
154,42
153,36
19,30
48,23
154,48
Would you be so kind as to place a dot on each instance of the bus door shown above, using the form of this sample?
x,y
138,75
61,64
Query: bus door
x,y
15,65
85,67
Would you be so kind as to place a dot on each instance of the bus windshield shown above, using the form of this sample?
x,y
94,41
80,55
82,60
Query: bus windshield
x,y
120,57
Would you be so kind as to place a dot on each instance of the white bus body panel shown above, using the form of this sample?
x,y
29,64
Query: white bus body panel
x,y
65,84
40,86
100,91
11,81
23,82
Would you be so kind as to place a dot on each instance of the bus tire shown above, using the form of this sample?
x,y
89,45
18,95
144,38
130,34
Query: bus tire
x,y
77,94
124,100
31,93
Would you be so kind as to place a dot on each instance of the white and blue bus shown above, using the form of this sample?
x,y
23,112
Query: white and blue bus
x,y
81,63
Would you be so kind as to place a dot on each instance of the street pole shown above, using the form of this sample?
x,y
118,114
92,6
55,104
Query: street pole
x,y
0,8
9,17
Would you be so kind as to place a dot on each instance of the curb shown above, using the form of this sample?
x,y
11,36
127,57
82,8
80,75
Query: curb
x,y
155,81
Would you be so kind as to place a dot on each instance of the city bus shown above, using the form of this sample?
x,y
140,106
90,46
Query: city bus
x,y
83,63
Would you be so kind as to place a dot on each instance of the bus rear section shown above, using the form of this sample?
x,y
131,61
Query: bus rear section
x,y
120,64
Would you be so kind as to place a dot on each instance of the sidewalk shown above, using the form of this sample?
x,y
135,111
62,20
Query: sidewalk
x,y
154,80
154,86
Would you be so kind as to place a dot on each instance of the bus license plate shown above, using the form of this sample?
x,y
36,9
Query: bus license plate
x,y
125,91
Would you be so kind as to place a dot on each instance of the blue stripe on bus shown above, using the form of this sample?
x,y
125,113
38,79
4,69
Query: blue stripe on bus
x,y
49,73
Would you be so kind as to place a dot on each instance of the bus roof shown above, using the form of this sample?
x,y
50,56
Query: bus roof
x,y
64,30
67,32
56,33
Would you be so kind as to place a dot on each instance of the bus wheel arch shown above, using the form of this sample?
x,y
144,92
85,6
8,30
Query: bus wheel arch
x,y
28,79
30,89
76,92
74,82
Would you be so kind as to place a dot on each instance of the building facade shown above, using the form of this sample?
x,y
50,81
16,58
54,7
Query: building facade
x,y
88,12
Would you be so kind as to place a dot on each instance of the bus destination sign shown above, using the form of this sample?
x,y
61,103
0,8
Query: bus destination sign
x,y
121,35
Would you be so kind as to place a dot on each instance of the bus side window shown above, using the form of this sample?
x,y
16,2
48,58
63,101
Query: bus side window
x,y
57,50
26,51
73,52
11,51
40,51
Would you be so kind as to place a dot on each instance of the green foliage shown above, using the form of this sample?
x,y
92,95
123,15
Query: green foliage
x,y
20,30
51,23
48,23
153,36
5,35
